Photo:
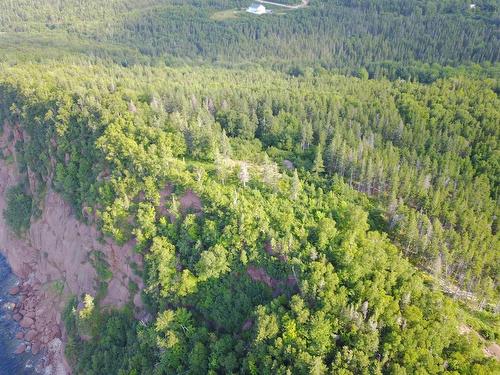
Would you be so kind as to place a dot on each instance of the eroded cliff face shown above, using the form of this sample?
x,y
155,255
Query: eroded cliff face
x,y
56,251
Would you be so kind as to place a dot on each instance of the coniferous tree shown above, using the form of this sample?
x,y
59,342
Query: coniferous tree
x,y
296,186
318,165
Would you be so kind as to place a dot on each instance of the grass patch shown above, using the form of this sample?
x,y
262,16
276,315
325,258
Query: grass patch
x,y
133,288
57,287
9,159
230,14
104,274
98,260
486,323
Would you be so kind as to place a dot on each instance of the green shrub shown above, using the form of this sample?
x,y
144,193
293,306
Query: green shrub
x,y
104,274
98,260
57,287
19,208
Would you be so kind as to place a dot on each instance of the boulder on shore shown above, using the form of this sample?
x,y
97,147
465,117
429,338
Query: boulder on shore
x,y
10,306
35,348
55,333
20,349
14,290
26,322
17,317
30,335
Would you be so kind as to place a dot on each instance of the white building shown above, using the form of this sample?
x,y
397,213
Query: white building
x,y
256,9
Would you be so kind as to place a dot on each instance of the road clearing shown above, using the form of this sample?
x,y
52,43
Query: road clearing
x,y
303,4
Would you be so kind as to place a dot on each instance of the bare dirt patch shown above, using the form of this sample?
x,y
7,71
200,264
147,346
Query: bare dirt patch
x,y
275,251
278,286
492,351
190,201
260,275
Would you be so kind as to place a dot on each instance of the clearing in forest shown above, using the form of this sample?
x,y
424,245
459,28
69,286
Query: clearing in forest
x,y
231,14
225,15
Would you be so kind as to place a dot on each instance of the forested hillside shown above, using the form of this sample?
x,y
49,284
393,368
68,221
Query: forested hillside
x,y
311,191
391,38
259,258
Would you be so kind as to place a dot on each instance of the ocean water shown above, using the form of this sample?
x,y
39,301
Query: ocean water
x,y
10,364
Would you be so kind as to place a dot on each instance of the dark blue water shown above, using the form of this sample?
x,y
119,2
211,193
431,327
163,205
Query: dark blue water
x,y
10,364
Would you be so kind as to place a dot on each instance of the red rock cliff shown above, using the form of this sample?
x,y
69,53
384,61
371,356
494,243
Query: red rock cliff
x,y
56,250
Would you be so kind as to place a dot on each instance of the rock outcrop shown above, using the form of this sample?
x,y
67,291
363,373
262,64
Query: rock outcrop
x,y
56,252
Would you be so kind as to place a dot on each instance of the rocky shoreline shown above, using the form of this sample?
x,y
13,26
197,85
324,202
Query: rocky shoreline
x,y
38,327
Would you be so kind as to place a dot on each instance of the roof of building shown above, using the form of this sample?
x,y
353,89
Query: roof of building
x,y
256,6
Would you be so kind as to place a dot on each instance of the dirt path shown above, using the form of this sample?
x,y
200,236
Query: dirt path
x,y
303,4
492,350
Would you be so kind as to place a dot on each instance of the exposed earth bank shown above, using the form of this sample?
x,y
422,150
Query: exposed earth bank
x,y
53,261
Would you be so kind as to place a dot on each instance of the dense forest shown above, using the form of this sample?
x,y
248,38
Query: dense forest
x,y
312,191
278,262
404,39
